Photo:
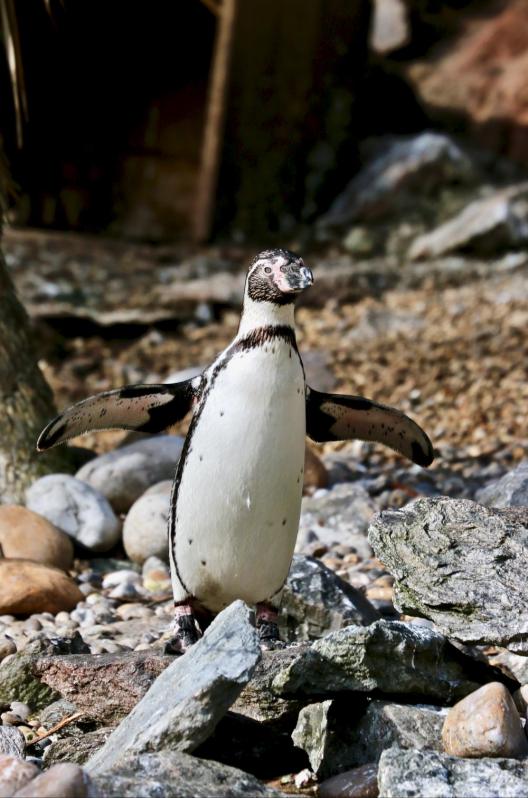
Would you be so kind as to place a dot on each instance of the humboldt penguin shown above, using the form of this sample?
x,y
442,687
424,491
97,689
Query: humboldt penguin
x,y
236,498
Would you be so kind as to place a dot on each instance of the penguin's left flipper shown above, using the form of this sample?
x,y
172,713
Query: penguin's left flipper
x,y
144,408
338,417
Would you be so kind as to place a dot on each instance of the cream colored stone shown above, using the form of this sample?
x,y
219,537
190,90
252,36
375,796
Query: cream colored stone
x,y
27,535
28,587
15,774
485,723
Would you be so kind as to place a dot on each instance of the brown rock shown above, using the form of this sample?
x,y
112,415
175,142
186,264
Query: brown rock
x,y
106,687
64,780
14,774
315,473
360,782
28,536
481,76
485,723
28,587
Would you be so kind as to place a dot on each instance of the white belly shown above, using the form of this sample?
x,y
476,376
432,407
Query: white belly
x,y
239,498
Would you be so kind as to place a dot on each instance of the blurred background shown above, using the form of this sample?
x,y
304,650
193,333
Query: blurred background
x,y
150,149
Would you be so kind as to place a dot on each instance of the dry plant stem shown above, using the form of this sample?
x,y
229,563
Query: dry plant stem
x,y
58,726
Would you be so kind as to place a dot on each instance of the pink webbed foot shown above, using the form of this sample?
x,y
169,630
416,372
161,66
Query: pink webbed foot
x,y
267,627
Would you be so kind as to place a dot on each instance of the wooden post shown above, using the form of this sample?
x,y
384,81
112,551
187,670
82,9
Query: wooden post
x,y
214,124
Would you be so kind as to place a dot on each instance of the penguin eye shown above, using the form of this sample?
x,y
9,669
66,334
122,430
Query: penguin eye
x,y
267,270
283,268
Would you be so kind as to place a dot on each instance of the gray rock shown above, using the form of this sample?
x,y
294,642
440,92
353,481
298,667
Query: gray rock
x,y
145,529
76,508
317,601
509,491
77,748
461,565
339,515
428,774
55,712
406,166
124,474
12,741
188,699
339,734
173,774
486,226
260,702
422,662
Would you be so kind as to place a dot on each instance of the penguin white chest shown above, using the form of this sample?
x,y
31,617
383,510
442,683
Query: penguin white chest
x,y
239,495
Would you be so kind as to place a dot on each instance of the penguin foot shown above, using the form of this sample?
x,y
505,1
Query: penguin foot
x,y
269,637
267,627
185,632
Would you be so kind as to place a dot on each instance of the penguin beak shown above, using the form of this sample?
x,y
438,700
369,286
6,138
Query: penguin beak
x,y
298,279
306,277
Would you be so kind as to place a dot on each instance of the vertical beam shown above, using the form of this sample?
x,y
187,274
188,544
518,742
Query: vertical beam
x,y
214,123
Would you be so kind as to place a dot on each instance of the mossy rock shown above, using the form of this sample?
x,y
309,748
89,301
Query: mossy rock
x,y
18,683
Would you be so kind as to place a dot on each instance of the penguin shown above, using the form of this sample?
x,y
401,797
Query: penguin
x,y
236,498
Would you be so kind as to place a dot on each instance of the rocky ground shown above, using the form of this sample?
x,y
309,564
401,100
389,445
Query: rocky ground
x,y
405,610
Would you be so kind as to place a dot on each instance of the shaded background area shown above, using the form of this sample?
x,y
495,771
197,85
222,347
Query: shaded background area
x,y
176,121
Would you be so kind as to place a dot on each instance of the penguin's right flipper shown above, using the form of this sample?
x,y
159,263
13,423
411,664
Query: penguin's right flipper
x,y
145,408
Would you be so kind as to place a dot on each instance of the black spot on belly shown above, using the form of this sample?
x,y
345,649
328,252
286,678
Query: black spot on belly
x,y
284,521
204,562
221,412
190,541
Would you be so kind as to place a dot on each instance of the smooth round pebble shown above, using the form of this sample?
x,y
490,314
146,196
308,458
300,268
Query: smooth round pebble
x,y
27,587
21,709
77,509
27,535
7,647
124,474
145,528
11,719
121,577
165,488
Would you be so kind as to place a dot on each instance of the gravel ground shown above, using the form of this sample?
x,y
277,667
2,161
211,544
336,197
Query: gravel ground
x,y
456,359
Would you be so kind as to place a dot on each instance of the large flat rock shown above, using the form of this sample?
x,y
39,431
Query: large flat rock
x,y
388,657
187,700
104,686
173,774
428,774
461,565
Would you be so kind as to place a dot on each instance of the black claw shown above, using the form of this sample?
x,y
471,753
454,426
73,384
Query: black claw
x,y
269,636
186,634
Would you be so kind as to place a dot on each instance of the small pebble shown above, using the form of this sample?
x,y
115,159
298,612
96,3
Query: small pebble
x,y
7,647
11,719
21,709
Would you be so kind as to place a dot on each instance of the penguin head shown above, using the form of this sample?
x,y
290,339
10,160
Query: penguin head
x,y
277,275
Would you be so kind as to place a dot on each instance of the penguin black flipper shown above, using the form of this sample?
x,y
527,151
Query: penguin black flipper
x,y
338,417
144,408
